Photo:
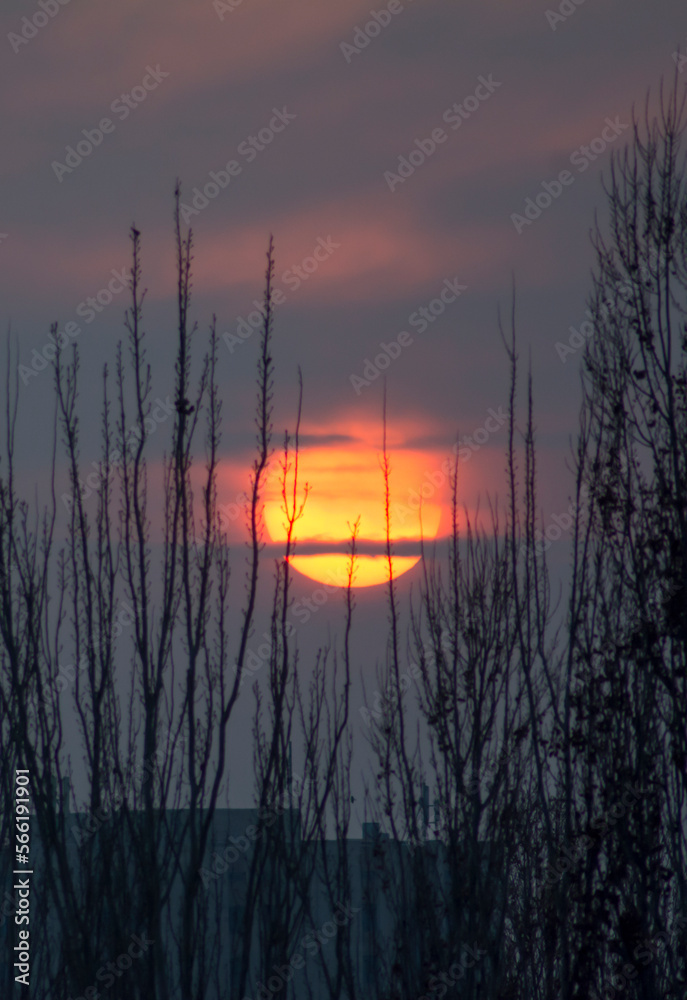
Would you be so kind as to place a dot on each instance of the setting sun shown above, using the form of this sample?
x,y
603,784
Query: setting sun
x,y
346,483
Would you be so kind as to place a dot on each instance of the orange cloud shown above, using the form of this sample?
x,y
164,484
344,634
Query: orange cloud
x,y
380,250
109,45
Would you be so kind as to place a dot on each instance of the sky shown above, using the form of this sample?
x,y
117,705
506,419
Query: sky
x,y
415,161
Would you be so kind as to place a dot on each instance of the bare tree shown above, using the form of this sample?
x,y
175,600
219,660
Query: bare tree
x,y
629,627
168,723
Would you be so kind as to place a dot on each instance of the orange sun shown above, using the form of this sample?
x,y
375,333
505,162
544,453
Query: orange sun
x,y
346,483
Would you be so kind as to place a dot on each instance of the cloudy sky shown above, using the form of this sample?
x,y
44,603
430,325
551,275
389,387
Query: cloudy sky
x,y
391,150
